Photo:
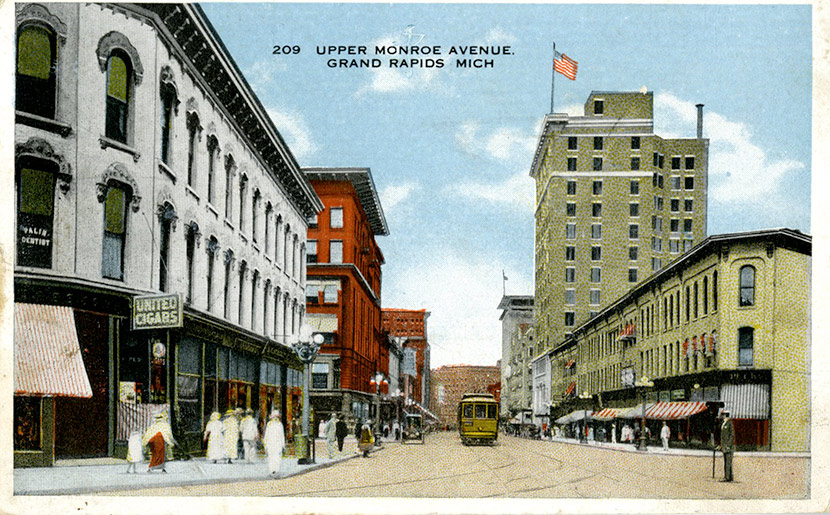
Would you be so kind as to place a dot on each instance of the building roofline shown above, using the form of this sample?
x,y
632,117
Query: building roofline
x,y
507,300
364,185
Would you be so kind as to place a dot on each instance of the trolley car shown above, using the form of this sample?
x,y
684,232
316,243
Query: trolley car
x,y
478,418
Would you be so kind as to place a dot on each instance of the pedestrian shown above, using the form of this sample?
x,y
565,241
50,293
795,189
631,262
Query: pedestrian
x,y
330,434
135,451
250,434
613,432
157,437
357,426
396,429
274,442
230,434
321,429
386,430
340,432
366,439
214,439
665,433
727,444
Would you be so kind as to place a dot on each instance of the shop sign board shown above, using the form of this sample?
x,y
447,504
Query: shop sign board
x,y
157,311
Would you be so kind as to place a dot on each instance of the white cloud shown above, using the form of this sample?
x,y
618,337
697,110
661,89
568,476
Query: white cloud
x,y
517,190
295,131
739,170
502,143
497,35
261,74
394,194
397,80
462,295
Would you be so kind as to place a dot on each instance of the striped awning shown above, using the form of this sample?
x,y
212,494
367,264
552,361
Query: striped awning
x,y
570,389
606,414
674,410
570,364
47,357
322,322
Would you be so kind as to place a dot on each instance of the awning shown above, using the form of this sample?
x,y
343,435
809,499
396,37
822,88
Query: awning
x,y
570,389
574,416
321,322
570,364
635,412
563,420
674,410
47,357
606,414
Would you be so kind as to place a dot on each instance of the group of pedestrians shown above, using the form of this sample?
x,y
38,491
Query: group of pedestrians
x,y
156,438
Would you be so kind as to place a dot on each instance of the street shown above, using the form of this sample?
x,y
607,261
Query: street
x,y
517,467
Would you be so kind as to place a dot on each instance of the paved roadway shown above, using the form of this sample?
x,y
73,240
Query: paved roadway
x,y
518,467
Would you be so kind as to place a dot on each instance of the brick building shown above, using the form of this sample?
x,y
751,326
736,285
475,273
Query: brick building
x,y
409,326
343,290
451,382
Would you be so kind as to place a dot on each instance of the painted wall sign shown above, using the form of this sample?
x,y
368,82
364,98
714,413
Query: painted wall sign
x,y
157,311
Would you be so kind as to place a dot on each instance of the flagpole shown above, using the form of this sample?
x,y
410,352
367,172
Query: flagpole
x,y
552,77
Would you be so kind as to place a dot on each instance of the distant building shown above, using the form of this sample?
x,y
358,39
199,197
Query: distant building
x,y
517,339
451,382
409,326
343,291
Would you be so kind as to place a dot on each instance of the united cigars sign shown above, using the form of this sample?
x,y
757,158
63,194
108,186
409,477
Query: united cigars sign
x,y
157,311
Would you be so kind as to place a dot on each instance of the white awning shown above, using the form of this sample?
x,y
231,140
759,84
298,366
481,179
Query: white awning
x,y
321,322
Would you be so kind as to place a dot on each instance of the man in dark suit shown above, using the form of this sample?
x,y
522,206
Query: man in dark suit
x,y
727,443
340,432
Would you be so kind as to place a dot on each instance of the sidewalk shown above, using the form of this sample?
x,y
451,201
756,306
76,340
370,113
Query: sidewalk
x,y
109,474
657,449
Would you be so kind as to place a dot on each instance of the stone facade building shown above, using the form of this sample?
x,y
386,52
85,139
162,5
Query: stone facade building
x,y
517,346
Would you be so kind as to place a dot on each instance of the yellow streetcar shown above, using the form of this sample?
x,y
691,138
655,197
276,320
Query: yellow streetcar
x,y
478,418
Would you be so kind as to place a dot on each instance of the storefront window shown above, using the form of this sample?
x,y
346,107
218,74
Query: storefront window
x,y
27,420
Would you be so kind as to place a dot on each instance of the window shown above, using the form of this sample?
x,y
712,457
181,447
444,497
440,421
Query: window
x,y
632,253
570,253
243,268
635,163
320,376
656,264
191,235
336,214
674,225
243,190
268,211
597,164
633,231
115,231
596,274
674,246
571,187
254,282
226,287
330,294
747,286
571,164
255,215
694,311
658,203
596,231
688,205
596,187
656,159
675,163
688,302
213,155
599,106
656,244
230,166
634,209
660,181
335,251
705,295
634,187
569,319
35,211
212,249
745,346
657,224
635,142
311,251
286,242
675,183
715,291
570,231
167,217
35,85
570,209
192,138
660,162
596,209
570,297
687,225
689,183
572,143
595,296
168,103
596,253
674,205
312,293
632,275
570,274
690,163
119,78
597,142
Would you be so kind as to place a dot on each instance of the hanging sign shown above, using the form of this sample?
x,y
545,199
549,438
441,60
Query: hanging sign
x,y
157,311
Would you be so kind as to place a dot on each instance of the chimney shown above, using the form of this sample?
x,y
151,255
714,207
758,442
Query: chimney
x,y
699,121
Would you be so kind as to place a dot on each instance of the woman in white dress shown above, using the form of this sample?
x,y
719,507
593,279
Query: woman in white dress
x,y
274,441
213,436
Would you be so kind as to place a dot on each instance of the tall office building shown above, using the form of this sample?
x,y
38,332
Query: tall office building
x,y
614,203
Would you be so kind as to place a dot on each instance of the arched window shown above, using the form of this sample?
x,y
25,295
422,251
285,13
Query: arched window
x,y
194,128
115,230
277,236
191,241
254,304
705,295
746,343
266,297
167,220
243,188
213,154
168,105
268,211
226,290
212,250
243,268
696,300
715,291
36,64
747,286
285,246
119,80
254,213
35,211
230,166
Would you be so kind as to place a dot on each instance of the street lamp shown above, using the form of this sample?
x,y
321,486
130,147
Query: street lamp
x,y
306,347
643,383
584,433
398,395
377,380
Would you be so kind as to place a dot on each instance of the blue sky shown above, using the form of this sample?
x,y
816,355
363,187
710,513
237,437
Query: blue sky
x,y
450,149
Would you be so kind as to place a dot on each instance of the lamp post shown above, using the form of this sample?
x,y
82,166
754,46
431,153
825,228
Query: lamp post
x,y
643,383
583,435
377,380
398,395
306,347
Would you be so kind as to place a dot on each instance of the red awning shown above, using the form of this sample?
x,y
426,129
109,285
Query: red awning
x,y
47,357
570,364
606,414
570,389
674,410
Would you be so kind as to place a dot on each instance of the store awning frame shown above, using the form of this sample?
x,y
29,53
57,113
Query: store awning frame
x,y
605,414
675,410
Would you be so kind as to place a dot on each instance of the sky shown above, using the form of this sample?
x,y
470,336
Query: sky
x,y
450,148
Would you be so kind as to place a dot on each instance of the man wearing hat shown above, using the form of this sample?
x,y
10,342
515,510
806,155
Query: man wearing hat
x,y
727,443
274,441
157,437
250,434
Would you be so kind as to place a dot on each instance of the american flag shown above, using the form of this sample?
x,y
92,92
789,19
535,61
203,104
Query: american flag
x,y
564,65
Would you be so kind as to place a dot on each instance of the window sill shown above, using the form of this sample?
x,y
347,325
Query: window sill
x,y
46,124
212,209
267,257
255,246
229,224
190,191
163,168
243,237
117,145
